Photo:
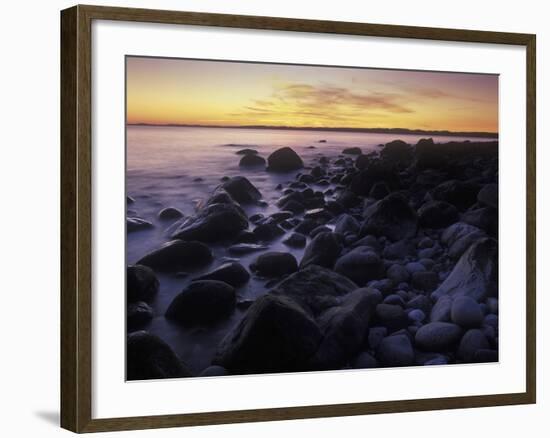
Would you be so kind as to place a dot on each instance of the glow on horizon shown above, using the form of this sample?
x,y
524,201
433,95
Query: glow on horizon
x,y
195,92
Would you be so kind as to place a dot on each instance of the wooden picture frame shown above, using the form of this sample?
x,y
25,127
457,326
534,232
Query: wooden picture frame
x,y
76,218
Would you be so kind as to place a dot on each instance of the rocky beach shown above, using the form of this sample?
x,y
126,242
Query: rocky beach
x,y
319,257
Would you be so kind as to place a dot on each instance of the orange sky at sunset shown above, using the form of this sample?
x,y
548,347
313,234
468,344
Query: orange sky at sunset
x,y
177,91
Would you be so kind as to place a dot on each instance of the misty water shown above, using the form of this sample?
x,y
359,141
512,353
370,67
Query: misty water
x,y
179,167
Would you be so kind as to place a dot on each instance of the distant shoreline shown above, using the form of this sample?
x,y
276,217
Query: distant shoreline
x,y
342,129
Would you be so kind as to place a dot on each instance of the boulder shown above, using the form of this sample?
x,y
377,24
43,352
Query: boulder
x,y
360,265
459,237
246,151
438,336
214,223
275,264
177,255
202,302
485,218
352,151
472,341
284,160
346,224
425,280
391,316
275,335
488,195
251,160
315,288
374,171
138,314
323,250
241,189
295,240
466,312
232,273
268,231
136,223
441,311
398,273
437,214
397,151
391,217
141,283
170,213
395,351
364,360
379,190
345,328
462,194
149,357
475,274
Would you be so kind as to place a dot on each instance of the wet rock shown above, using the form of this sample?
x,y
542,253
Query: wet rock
x,y
391,217
379,190
485,218
420,302
466,312
149,357
293,206
138,314
170,213
459,237
281,216
472,341
425,280
437,214
245,248
398,273
232,273
268,231
360,265
320,229
241,189
344,328
346,224
461,194
130,200
247,151
396,351
275,335
177,255
214,223
364,360
416,315
375,336
391,316
488,195
141,283
275,264
251,160
373,172
295,240
202,302
425,243
397,151
441,311
414,267
315,288
352,151
348,199
136,223
284,160
323,250
475,274
438,336
398,250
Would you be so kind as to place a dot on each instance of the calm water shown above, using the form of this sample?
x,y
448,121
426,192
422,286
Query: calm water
x,y
163,164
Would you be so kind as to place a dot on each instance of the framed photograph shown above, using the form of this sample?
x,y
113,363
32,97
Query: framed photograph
x,y
269,218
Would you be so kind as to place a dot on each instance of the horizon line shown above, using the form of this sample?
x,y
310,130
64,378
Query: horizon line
x,y
340,129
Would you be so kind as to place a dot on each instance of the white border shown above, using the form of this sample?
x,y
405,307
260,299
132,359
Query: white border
x,y
112,397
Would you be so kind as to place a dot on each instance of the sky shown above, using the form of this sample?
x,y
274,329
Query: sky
x,y
180,91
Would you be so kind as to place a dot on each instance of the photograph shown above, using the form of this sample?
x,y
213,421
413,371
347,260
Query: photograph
x,y
293,218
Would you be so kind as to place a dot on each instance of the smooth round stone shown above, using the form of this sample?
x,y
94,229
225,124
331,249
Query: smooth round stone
x,y
398,273
441,311
491,320
376,334
465,312
438,336
428,263
170,213
417,315
413,267
425,280
396,351
425,242
421,302
394,299
391,316
365,360
472,341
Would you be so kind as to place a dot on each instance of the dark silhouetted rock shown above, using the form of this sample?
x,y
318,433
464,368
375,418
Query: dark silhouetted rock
x,y
472,341
438,336
268,231
141,283
461,194
177,255
138,314
475,274
202,302
398,274
437,214
216,222
295,240
213,370
170,213
275,335
485,218
323,250
488,195
425,280
466,312
391,316
395,351
241,189
364,360
379,190
245,248
136,224
284,160
459,237
232,273
252,161
397,151
391,217
352,151
275,264
246,151
149,357
360,265
441,311
346,224
420,302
